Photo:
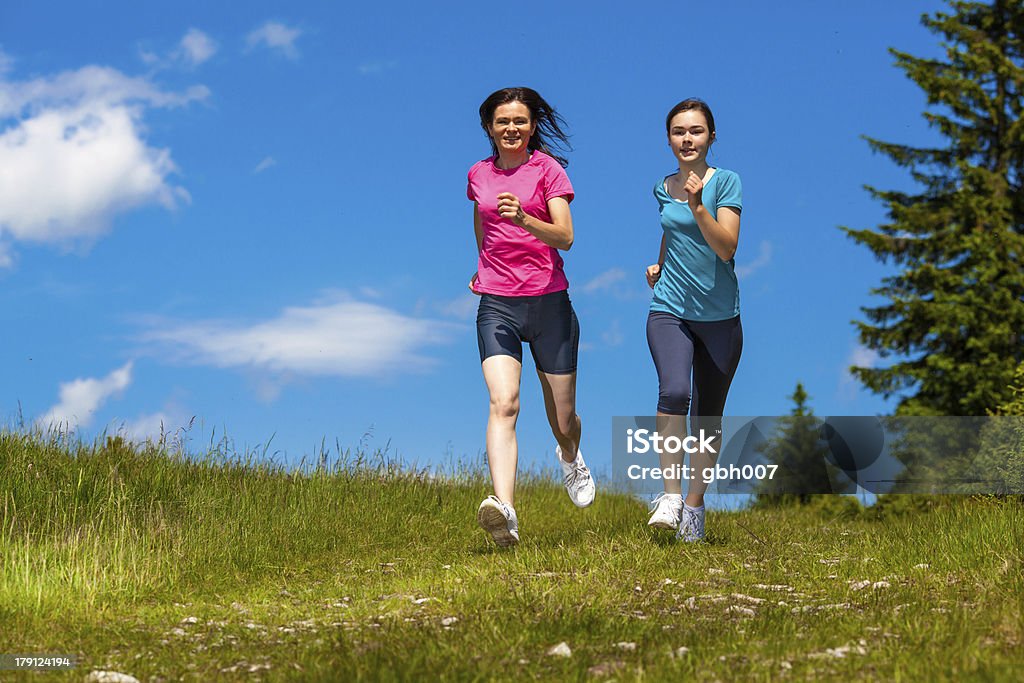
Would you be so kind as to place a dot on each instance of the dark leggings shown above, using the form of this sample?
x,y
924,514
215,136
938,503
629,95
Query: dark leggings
x,y
710,351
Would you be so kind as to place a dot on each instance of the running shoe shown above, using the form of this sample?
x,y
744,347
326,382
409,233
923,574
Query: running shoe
x,y
499,520
667,509
691,526
579,482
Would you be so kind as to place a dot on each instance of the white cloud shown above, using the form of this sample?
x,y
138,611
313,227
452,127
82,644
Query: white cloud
x,y
264,165
340,337
276,36
155,427
763,258
149,58
81,398
604,281
616,283
863,357
196,47
462,308
73,155
860,356
89,86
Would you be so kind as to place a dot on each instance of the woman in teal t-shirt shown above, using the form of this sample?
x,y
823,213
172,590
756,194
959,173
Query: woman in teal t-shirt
x,y
693,329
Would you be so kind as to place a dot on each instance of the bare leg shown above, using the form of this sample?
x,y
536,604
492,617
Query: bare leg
x,y
697,486
671,425
560,404
502,375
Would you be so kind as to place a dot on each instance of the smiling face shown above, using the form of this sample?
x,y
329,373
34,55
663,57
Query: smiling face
x,y
512,127
689,136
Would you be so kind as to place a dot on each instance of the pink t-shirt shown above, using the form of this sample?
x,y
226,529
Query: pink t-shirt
x,y
512,261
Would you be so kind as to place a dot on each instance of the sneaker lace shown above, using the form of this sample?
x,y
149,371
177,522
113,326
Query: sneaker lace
x,y
577,476
690,520
667,498
657,501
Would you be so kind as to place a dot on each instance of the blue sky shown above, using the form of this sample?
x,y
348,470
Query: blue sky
x,y
255,214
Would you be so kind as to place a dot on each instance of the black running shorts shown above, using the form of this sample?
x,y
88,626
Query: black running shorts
x,y
548,322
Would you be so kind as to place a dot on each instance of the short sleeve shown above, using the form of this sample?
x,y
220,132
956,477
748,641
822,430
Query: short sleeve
x,y
469,185
556,182
730,191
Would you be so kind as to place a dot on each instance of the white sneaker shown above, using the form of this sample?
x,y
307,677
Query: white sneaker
x,y
667,508
579,482
499,520
691,526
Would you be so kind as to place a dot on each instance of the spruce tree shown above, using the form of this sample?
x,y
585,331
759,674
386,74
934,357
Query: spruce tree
x,y
801,454
951,331
1001,449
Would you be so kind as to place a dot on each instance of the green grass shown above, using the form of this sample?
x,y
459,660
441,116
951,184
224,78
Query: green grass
x,y
374,573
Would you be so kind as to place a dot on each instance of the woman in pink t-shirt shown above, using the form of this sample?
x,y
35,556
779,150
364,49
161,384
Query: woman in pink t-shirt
x,y
521,216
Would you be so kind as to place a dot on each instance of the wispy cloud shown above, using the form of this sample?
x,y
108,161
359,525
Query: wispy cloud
x,y
605,281
74,155
616,283
764,257
196,47
275,36
613,335
264,165
153,427
340,337
81,398
859,356
863,357
462,308
376,67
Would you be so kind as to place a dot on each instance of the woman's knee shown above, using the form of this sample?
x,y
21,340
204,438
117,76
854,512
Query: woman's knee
x,y
505,404
567,423
674,399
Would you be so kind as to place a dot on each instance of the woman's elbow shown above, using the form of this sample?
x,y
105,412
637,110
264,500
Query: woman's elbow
x,y
566,240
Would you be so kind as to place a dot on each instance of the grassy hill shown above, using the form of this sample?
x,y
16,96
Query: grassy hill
x,y
168,567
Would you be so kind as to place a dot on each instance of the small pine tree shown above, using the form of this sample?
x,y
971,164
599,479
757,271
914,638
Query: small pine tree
x,y
801,455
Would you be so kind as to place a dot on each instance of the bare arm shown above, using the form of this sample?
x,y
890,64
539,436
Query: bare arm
x,y
478,228
557,234
654,270
722,235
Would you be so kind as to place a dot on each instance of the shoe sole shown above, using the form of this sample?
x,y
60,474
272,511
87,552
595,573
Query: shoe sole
x,y
658,524
493,522
583,505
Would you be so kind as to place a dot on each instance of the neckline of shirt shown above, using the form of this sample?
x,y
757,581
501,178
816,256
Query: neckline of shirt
x,y
664,184
506,171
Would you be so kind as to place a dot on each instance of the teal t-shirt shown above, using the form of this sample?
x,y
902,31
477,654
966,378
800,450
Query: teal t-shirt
x,y
695,283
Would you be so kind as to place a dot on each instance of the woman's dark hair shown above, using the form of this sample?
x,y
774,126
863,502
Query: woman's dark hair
x,y
549,122
687,105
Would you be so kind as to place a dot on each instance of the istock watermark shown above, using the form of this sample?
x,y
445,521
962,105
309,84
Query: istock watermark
x,y
644,441
708,475
808,454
